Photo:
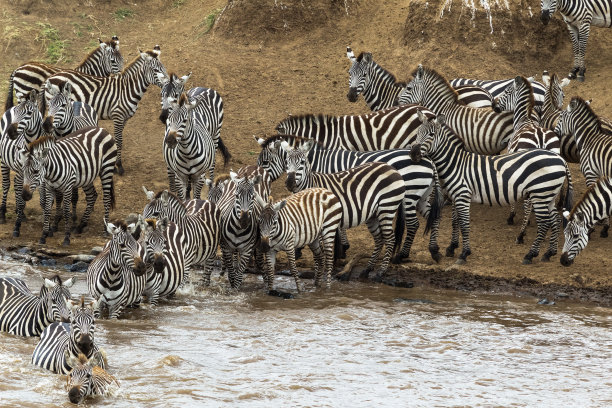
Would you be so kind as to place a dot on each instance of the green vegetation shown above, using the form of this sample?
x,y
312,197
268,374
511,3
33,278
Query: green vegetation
x,y
208,22
54,44
177,3
123,13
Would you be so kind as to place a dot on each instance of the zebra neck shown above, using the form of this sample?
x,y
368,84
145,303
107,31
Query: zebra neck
x,y
88,66
31,135
452,147
67,125
522,117
380,80
586,132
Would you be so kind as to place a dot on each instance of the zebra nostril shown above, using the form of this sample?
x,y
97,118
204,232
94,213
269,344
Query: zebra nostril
x,y
74,395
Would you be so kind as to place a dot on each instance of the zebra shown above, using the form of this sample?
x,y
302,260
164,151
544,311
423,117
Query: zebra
x,y
594,143
117,276
579,16
199,222
418,178
309,217
76,337
483,131
65,116
370,194
69,163
380,89
391,128
216,187
500,180
188,146
24,314
164,243
518,98
114,97
103,61
19,126
88,378
595,205
172,89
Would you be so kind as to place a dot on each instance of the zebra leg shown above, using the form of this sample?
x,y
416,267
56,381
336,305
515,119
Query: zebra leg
x,y
243,259
527,210
462,209
6,184
510,219
59,205
327,242
208,268
583,36
118,125
606,227
319,260
293,268
228,261
67,217
75,200
181,187
171,180
450,251
543,220
108,192
198,185
91,195
344,242
574,36
555,226
18,186
412,226
268,275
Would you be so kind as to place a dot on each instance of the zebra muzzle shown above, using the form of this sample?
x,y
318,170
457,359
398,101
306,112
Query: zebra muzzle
x,y
264,244
244,219
290,182
159,263
85,343
171,140
545,16
139,266
11,131
565,260
74,395
26,193
48,124
415,153
352,95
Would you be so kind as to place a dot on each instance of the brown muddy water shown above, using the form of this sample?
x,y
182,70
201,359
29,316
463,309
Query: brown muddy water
x,y
357,345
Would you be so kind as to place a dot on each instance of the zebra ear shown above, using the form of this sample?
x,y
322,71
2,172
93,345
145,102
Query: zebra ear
x,y
163,78
49,284
33,96
546,78
574,104
259,140
23,155
307,145
419,71
566,215
163,224
441,119
518,80
579,216
260,200
103,45
279,206
422,117
164,197
366,57
110,227
148,193
565,82
67,90
233,176
531,79
350,55
285,146
184,78
70,282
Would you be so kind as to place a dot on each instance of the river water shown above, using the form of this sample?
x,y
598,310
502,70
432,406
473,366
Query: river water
x,y
355,345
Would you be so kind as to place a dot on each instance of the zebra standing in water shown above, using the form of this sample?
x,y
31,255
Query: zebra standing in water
x,y
380,89
172,89
24,314
483,131
500,180
189,149
199,222
579,15
594,143
117,276
418,178
19,126
88,378
103,61
76,337
595,205
518,98
114,97
67,164
65,116
370,194
310,217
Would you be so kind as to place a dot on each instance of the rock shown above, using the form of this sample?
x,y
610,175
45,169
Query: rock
x,y
96,250
24,250
406,300
545,302
562,295
81,258
79,267
48,262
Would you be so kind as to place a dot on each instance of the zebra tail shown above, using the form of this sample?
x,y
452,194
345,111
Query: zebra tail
x,y
566,198
436,204
400,227
9,98
223,149
337,245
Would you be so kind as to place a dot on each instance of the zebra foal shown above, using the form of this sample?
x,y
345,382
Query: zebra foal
x,y
65,116
88,378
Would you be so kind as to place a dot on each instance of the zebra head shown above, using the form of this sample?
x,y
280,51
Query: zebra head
x,y
155,242
428,136
575,118
414,91
153,66
59,109
27,120
124,249
508,101
576,236
245,197
80,381
298,166
55,295
359,78
554,89
548,9
268,222
180,120
217,187
172,87
82,325
111,60
270,158
33,166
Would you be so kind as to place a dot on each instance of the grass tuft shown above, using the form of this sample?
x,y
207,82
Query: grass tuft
x,y
55,45
123,13
208,22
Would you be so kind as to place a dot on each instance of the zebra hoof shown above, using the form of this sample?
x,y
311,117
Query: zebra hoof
x,y
284,295
343,277
527,261
604,233
51,231
545,258
510,220
66,242
460,261
396,260
119,169
519,239
436,257
580,78
15,234
2,220
450,252
42,240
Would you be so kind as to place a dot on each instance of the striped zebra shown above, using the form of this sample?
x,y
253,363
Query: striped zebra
x,y
595,205
24,314
87,378
65,116
103,61
483,131
391,128
216,187
370,194
594,143
310,217
66,164
117,276
76,337
499,180
172,89
418,178
198,220
114,97
165,245
19,126
380,89
188,146
518,98
579,15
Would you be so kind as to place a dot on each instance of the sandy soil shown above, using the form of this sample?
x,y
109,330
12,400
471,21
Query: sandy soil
x,y
269,58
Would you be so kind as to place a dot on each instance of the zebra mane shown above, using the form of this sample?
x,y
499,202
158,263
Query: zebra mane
x,y
82,359
40,141
590,112
440,79
586,193
120,223
135,61
110,43
152,222
313,118
170,194
293,138
385,73
221,179
531,98
183,99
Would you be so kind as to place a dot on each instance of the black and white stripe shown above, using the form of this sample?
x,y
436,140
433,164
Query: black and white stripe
x,y
76,337
24,314
499,180
114,97
579,15
103,61
88,378
370,194
65,116
64,165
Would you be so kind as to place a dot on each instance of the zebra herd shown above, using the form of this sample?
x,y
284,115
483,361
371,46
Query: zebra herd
x,y
426,142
